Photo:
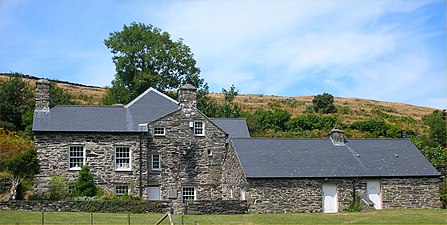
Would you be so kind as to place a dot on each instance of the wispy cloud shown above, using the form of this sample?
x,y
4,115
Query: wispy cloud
x,y
386,50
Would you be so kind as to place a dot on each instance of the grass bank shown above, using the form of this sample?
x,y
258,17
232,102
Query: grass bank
x,y
403,216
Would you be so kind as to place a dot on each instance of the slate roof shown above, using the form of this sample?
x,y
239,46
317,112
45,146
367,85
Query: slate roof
x,y
234,127
147,107
311,158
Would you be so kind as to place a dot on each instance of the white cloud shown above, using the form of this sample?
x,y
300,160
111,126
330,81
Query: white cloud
x,y
370,49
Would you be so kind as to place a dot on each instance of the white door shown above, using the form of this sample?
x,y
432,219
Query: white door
x,y
374,193
330,198
153,193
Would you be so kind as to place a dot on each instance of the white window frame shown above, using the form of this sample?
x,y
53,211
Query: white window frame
x,y
78,167
157,129
189,195
116,158
125,188
159,162
196,128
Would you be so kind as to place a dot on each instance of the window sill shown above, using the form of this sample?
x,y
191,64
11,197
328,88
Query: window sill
x,y
74,169
123,170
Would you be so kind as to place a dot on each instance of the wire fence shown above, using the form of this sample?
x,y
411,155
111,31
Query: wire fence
x,y
45,218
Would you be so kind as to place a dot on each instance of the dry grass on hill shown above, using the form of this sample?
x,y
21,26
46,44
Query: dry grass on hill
x,y
349,109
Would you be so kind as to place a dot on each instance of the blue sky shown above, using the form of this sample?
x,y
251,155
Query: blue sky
x,y
384,50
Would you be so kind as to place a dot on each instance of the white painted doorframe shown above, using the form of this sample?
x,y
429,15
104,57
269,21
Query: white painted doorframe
x,y
374,189
330,198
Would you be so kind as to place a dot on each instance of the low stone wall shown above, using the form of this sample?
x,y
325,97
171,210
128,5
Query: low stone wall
x,y
198,207
87,206
218,207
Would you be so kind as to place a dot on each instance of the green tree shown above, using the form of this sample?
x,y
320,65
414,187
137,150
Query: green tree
x,y
16,98
23,165
437,127
324,103
144,57
84,185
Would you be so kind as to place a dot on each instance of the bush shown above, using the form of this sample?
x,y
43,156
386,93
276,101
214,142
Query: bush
x,y
84,185
58,188
324,103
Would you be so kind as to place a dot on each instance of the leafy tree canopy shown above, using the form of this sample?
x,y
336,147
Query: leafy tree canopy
x,y
16,98
324,103
437,131
144,57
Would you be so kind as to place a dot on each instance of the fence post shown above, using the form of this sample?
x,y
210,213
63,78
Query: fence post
x,y
128,218
43,218
91,218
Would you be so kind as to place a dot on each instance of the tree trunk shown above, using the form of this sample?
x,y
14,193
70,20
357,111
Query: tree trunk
x,y
14,184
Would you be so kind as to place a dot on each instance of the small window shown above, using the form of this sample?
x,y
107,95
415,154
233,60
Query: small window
x,y
199,128
159,131
75,157
121,190
188,194
156,162
210,152
122,158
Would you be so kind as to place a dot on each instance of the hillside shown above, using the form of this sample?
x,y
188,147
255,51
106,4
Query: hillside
x,y
349,109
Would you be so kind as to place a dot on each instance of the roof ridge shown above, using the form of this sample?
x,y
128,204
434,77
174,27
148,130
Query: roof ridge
x,y
240,118
85,106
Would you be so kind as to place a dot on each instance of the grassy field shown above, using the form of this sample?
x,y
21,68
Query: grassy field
x,y
410,216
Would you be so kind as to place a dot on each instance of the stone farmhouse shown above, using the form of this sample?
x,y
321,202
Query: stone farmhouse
x,y
162,149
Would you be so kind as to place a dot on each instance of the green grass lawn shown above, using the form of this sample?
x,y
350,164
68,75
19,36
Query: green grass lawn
x,y
402,216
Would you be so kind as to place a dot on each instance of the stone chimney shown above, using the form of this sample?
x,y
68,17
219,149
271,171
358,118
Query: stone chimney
x,y
42,94
187,96
337,136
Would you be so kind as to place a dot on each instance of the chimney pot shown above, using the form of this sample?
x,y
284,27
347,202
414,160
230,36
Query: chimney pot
x,y
187,96
42,94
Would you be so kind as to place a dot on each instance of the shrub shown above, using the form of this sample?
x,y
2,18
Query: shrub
x,y
324,103
58,188
84,185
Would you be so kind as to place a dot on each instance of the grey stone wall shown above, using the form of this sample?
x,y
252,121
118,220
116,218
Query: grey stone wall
x,y
305,195
284,195
417,192
218,207
185,158
99,153
233,177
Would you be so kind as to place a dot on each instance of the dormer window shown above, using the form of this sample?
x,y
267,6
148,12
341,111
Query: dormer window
x,y
159,131
199,128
